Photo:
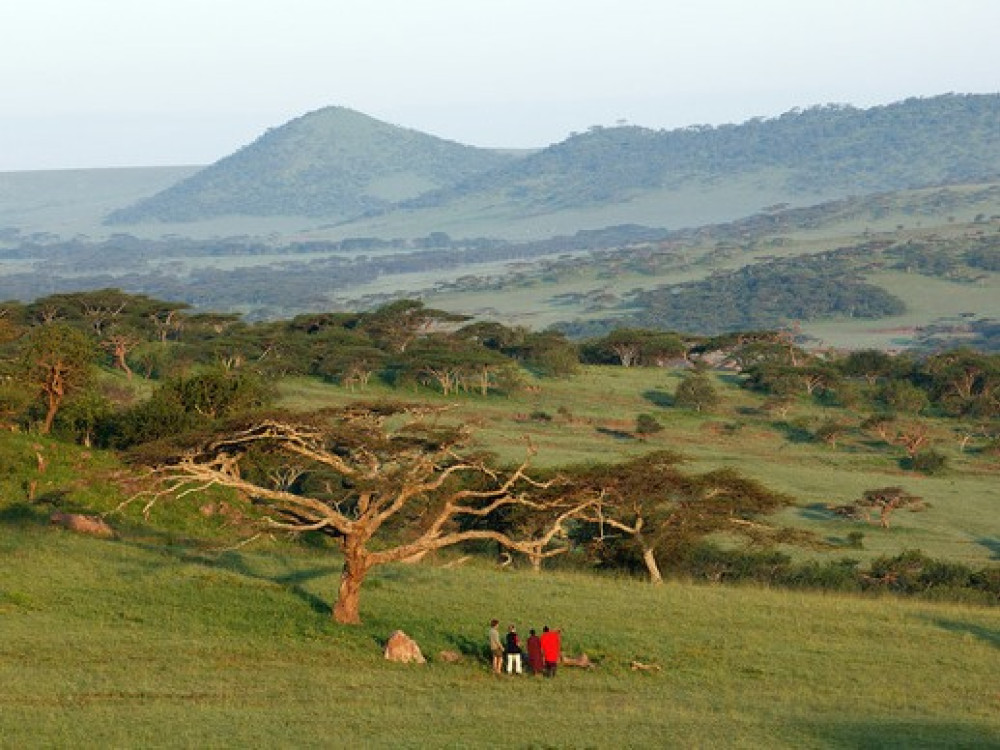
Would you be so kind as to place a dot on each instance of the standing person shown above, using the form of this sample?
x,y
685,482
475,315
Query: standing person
x,y
513,651
535,659
551,646
496,646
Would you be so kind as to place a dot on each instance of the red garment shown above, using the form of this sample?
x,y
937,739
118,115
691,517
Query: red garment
x,y
551,644
535,658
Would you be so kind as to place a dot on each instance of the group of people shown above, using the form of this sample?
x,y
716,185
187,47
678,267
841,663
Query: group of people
x,y
543,650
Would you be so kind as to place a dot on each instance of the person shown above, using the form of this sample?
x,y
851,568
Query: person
x,y
513,651
535,659
551,645
496,647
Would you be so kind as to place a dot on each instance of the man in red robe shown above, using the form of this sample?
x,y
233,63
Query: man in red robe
x,y
551,646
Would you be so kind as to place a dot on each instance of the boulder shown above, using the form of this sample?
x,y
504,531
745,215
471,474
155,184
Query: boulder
x,y
82,524
449,656
400,647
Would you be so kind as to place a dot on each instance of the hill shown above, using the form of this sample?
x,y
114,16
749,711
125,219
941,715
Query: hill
x,y
386,182
333,163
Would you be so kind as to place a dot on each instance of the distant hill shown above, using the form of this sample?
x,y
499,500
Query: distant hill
x,y
389,181
332,163
824,149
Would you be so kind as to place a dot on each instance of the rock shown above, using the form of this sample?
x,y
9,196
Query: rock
x,y
449,656
400,647
82,524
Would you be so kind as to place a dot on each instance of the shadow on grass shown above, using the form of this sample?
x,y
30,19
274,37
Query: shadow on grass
x,y
24,514
658,398
901,733
987,635
818,512
993,545
232,561
616,434
794,433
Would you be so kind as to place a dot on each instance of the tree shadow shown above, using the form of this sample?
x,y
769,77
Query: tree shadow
x,y
659,398
992,544
817,512
901,732
232,561
23,514
987,635
793,433
616,434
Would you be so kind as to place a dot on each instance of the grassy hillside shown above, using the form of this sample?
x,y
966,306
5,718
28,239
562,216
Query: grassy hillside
x,y
135,642
334,163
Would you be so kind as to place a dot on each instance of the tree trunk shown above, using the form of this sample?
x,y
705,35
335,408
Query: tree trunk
x,y
54,400
654,570
347,609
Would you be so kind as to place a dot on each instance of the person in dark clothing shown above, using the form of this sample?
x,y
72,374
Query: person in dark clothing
x,y
535,659
512,648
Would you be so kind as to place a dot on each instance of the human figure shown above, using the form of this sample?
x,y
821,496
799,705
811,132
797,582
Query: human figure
x,y
535,659
551,646
513,650
496,646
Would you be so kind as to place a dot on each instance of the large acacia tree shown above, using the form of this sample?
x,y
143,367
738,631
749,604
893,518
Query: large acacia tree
x,y
387,482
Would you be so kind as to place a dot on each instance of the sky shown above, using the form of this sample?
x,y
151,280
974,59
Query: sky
x,y
113,83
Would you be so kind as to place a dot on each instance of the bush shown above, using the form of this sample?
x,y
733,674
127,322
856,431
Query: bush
x,y
647,424
927,462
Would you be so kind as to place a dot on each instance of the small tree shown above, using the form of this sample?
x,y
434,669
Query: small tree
x,y
56,361
647,424
883,501
696,392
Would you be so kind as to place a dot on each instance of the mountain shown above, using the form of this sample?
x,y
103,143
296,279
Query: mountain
x,y
910,144
386,181
333,163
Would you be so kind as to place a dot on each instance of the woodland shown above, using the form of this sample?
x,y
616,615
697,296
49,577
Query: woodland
x,y
194,400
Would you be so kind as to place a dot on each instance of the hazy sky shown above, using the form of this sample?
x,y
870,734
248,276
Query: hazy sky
x,y
86,83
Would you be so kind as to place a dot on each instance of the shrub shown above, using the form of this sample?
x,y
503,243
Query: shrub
x,y
647,424
927,462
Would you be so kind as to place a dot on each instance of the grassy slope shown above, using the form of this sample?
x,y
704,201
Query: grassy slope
x,y
589,413
125,643
164,638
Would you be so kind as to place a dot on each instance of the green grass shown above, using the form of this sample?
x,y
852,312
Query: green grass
x,y
593,416
127,644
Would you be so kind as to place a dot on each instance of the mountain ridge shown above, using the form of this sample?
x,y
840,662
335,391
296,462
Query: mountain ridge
x,y
347,167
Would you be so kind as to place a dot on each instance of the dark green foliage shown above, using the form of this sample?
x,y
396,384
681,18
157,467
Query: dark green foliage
x,y
647,424
926,462
184,403
696,392
766,295
903,397
911,572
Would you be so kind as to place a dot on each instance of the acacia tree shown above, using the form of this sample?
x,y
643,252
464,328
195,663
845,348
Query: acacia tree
x,y
384,481
659,509
884,501
56,360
